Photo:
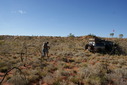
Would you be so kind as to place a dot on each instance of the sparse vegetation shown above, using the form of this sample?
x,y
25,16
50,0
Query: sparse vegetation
x,y
68,63
111,34
120,35
71,35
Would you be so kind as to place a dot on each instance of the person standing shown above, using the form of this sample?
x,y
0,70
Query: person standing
x,y
45,49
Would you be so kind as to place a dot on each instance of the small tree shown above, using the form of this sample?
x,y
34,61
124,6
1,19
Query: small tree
x,y
71,35
112,34
120,35
92,35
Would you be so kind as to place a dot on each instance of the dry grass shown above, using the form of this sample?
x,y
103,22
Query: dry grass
x,y
68,63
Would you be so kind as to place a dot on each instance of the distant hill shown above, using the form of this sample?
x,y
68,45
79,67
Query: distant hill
x,y
15,44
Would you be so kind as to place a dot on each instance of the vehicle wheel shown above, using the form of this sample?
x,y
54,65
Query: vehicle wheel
x,y
86,46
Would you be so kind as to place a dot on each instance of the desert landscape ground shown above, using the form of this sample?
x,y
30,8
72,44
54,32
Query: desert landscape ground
x,y
68,63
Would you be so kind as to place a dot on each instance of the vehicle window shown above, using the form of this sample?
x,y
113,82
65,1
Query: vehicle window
x,y
99,44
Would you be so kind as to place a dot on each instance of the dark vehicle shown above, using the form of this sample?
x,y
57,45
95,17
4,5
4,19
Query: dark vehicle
x,y
100,45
